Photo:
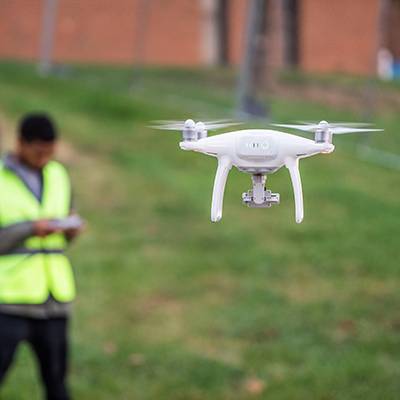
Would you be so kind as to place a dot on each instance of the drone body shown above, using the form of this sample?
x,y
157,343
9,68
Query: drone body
x,y
257,152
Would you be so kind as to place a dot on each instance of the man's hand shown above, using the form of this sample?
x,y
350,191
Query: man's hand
x,y
43,228
71,234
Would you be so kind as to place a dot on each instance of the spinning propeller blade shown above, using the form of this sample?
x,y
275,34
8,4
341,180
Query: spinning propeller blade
x,y
337,128
332,124
306,128
180,125
168,127
342,130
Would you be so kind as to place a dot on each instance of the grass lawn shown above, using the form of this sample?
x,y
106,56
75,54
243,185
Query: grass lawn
x,y
173,307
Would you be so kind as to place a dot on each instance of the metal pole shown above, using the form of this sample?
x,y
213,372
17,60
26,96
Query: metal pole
x,y
247,104
47,39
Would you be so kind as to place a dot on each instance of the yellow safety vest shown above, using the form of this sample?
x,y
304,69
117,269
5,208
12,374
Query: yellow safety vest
x,y
28,275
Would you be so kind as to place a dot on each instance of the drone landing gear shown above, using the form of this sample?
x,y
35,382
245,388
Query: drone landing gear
x,y
259,196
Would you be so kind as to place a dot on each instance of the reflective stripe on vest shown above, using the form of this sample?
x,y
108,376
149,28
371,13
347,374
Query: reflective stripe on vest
x,y
38,267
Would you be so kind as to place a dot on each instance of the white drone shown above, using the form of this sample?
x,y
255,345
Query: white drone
x,y
258,152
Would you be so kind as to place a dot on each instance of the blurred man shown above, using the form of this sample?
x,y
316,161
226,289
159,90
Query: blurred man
x,y
36,281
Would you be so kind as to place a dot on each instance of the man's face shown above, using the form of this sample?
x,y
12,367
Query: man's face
x,y
37,153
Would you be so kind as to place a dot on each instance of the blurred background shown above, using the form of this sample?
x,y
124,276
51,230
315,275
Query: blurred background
x,y
170,305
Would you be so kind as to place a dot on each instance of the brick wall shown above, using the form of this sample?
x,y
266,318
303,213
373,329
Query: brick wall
x,y
19,28
339,35
165,32
237,20
334,35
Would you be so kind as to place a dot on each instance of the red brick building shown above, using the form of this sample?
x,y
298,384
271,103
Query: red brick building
x,y
329,36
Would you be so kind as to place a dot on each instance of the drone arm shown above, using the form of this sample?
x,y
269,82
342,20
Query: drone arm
x,y
292,164
224,166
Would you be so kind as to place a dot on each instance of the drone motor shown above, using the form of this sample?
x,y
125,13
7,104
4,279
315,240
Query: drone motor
x,y
189,131
323,133
201,130
193,131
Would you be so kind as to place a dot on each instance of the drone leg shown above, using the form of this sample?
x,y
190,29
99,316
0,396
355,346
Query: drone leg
x,y
224,166
292,164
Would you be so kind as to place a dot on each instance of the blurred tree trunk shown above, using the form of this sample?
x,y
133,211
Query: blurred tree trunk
x,y
222,21
254,61
290,32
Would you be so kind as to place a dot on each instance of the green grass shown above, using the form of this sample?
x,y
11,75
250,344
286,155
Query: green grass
x,y
173,307
339,80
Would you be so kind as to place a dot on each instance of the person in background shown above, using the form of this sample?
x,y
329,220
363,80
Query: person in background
x,y
36,280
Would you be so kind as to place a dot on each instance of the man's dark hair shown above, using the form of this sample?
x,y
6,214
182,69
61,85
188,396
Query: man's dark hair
x,y
37,127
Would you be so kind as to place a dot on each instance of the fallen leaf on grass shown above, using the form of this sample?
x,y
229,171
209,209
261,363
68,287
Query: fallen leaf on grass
x,y
254,386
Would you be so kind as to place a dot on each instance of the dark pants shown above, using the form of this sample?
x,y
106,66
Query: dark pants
x,y
48,338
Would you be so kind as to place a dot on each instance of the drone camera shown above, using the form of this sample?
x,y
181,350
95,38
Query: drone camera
x,y
269,199
259,196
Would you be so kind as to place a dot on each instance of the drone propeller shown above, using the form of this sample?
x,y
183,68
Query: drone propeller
x,y
337,128
190,124
347,124
192,130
